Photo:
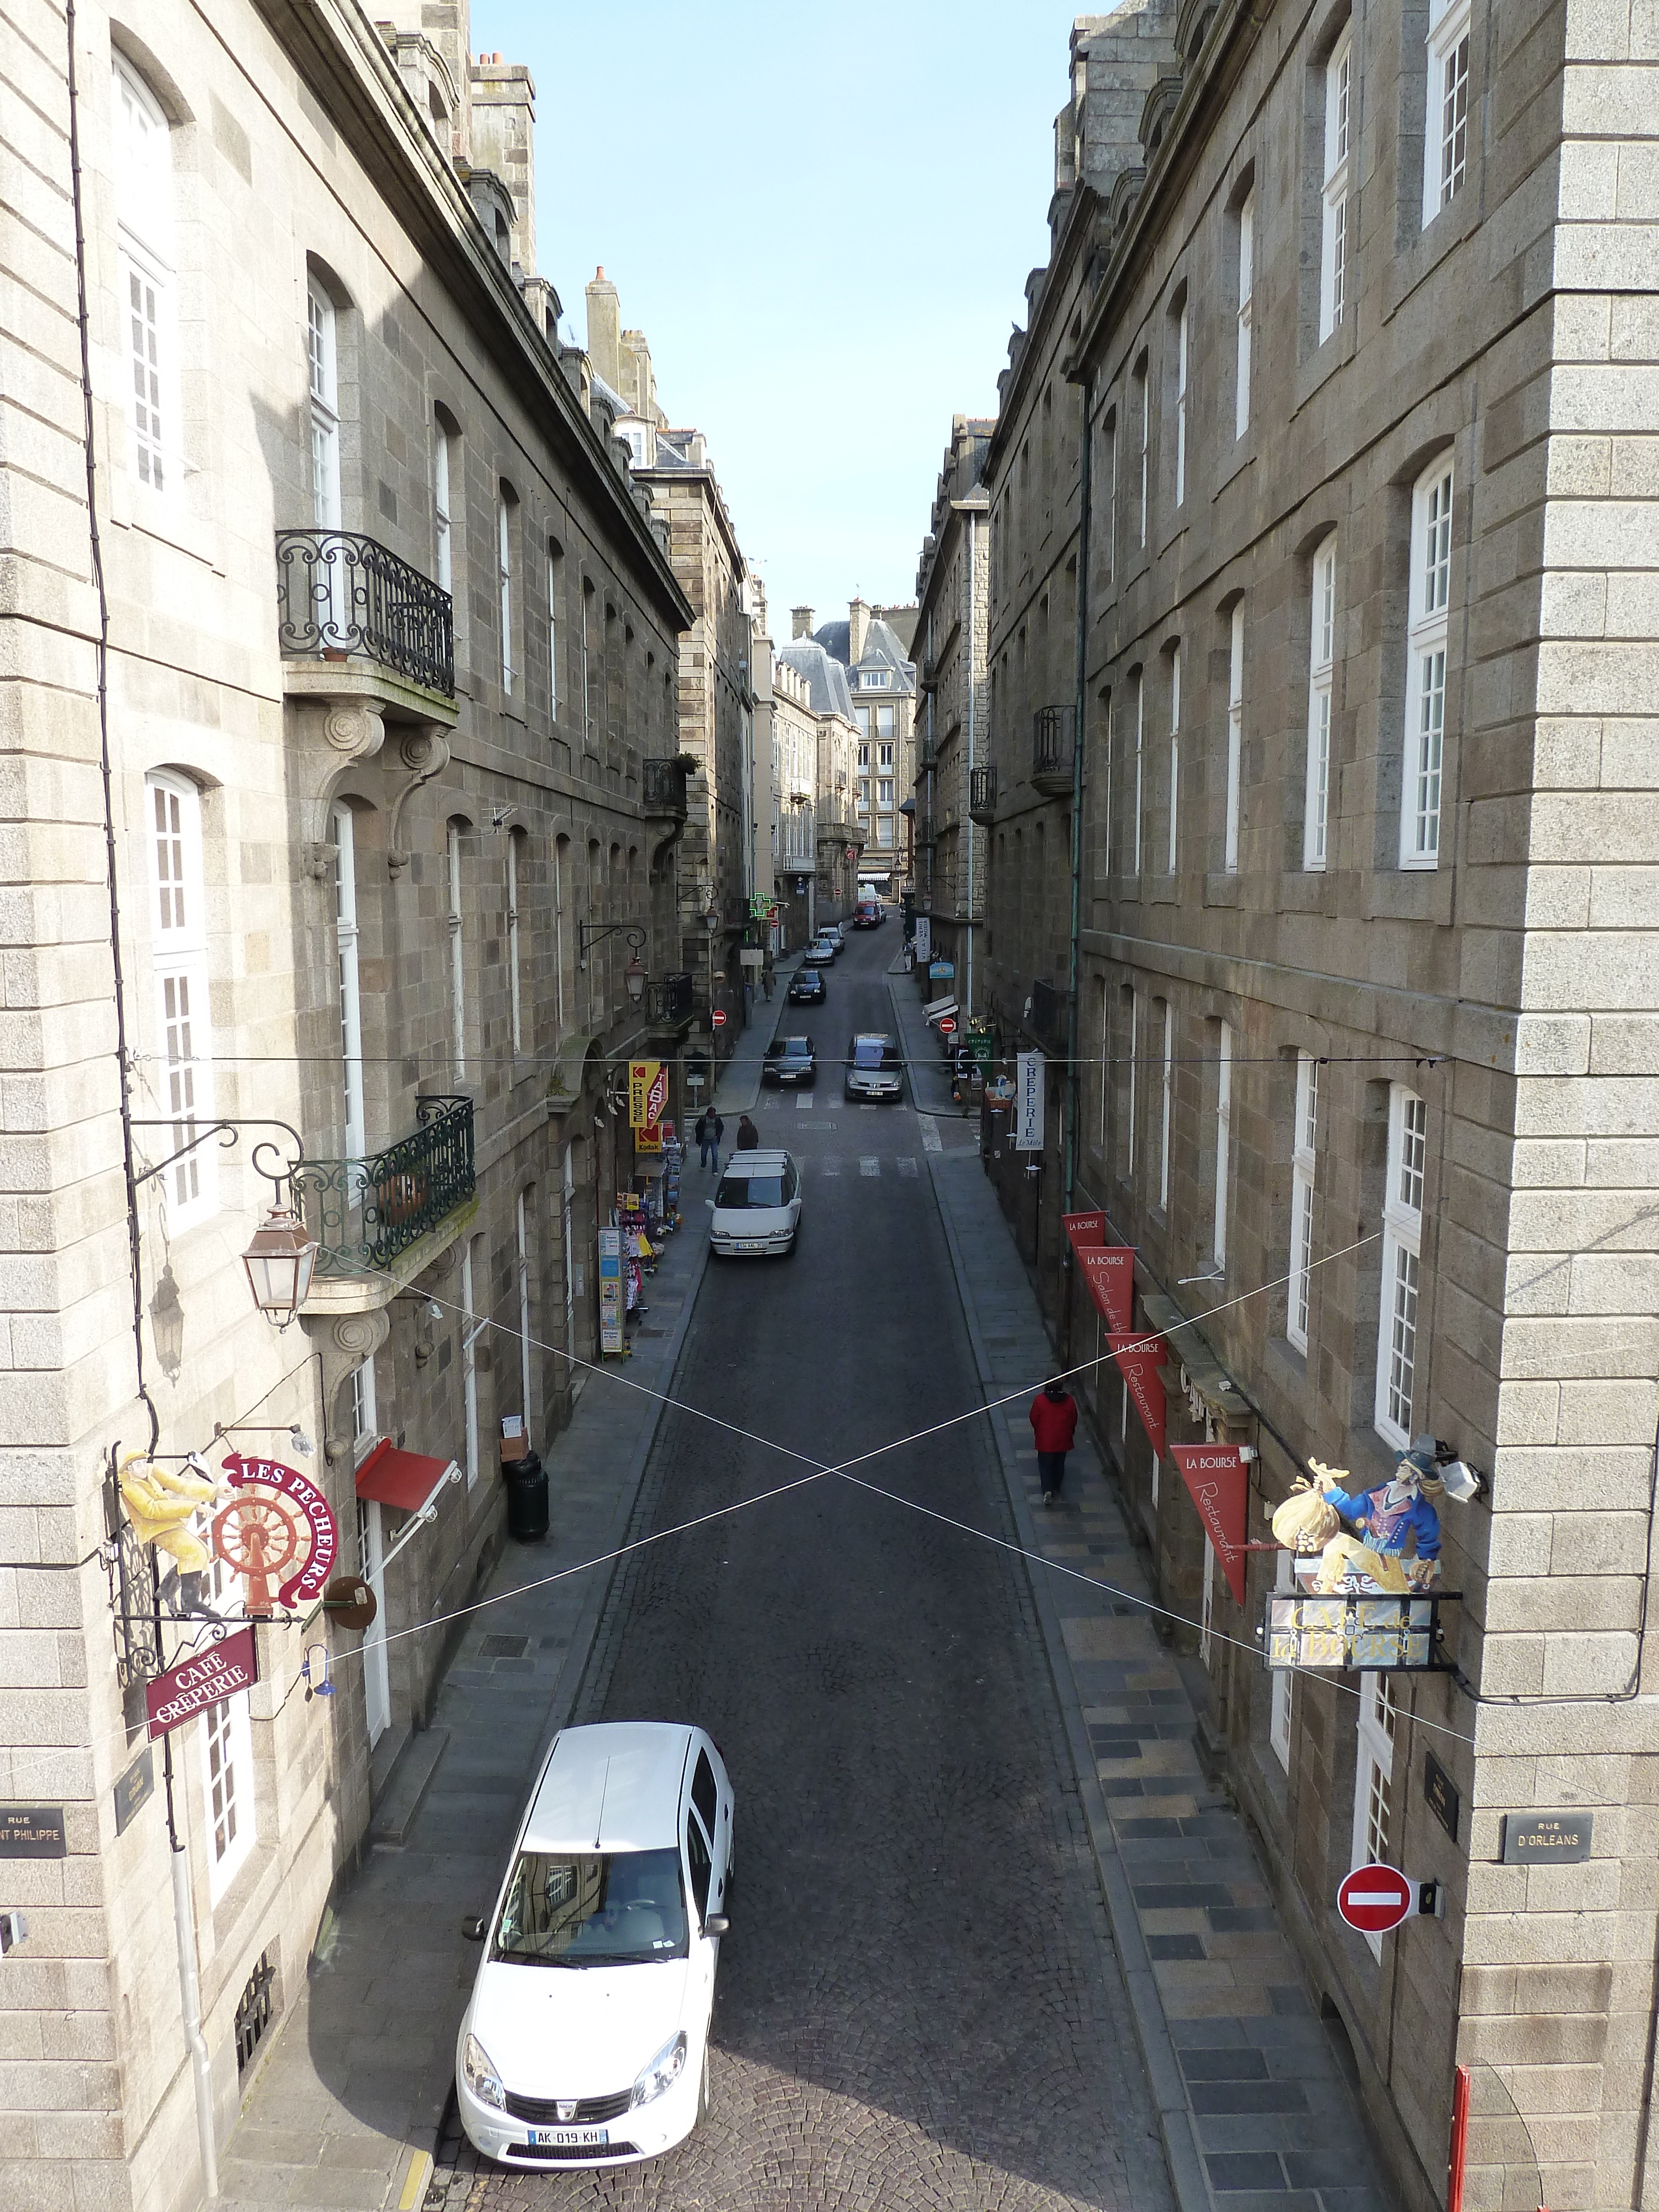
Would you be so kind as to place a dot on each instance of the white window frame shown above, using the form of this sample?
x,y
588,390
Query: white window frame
x,y
1373,1778
228,1806
1140,733
1134,1079
1144,374
442,549
470,1326
1224,1129
1426,650
345,944
884,791
1246,290
873,679
1304,1159
1321,679
1445,107
143,181
183,1003
1235,740
1105,1061
1175,756
1111,496
554,563
884,756
457,948
514,978
1166,1102
1181,407
504,580
1402,1255
885,721
1335,255
323,390
1282,1679
521,1259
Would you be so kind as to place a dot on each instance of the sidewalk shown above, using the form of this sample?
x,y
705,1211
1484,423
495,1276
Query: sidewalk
x,y
924,1048
345,2110
737,1086
1253,2111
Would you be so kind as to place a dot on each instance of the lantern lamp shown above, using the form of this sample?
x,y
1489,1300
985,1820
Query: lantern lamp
x,y
634,976
279,1261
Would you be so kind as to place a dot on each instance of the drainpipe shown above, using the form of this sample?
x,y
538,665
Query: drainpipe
x,y
967,1001
1073,1084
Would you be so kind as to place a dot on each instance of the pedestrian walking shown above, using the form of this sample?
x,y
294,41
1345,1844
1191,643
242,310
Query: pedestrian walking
x,y
1053,1424
766,983
748,1134
709,1131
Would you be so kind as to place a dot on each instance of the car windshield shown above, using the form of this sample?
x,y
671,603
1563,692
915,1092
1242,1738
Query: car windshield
x,y
598,1909
797,1048
871,1052
737,1191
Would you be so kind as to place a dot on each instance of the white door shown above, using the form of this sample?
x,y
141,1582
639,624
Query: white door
x,y
377,1682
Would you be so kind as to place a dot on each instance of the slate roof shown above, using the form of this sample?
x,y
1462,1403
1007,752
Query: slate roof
x,y
882,649
826,679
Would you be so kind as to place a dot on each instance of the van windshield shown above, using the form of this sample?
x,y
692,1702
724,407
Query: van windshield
x,y
596,1909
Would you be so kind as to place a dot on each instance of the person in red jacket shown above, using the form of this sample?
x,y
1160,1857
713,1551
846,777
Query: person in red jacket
x,y
1053,1424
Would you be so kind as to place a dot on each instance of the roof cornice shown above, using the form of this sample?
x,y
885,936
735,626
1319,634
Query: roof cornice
x,y
1073,237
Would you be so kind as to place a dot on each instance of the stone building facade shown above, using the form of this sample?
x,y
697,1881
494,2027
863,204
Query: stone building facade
x,y
1356,311
952,717
838,836
342,697
882,681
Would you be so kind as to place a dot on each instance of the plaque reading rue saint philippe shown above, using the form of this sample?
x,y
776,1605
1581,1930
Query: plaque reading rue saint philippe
x,y
32,1832
1545,1838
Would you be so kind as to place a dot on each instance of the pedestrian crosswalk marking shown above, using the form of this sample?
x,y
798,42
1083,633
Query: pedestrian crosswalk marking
x,y
830,1167
866,1109
869,1167
804,1101
907,1167
931,1141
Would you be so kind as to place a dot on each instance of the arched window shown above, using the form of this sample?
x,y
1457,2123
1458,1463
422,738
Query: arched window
x,y
143,199
179,967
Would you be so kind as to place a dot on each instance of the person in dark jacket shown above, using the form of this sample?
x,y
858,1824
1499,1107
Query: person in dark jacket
x,y
709,1131
1053,1424
748,1134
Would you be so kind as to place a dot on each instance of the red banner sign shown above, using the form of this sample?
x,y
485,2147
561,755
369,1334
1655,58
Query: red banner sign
x,y
267,1541
1139,1359
1109,1272
1084,1229
1220,1487
206,1678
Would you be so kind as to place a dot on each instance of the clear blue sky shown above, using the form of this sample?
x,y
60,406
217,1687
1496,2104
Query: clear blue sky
x,y
824,248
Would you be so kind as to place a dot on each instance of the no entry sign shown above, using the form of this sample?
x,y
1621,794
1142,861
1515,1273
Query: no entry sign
x,y
947,1025
719,1017
1374,1898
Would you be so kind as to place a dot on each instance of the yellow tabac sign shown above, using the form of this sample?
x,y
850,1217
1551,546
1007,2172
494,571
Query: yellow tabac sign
x,y
647,1100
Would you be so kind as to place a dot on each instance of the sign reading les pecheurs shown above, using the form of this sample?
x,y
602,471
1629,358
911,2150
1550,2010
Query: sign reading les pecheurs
x,y
206,1678
259,1538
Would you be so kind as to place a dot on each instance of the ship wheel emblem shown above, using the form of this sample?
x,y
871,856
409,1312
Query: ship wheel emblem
x,y
261,1537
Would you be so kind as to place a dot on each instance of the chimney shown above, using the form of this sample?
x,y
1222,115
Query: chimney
x,y
605,329
858,628
502,127
801,622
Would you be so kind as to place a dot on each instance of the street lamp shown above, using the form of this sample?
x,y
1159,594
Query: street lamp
x,y
634,976
279,1262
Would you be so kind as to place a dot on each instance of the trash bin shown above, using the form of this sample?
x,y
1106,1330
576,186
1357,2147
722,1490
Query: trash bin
x,y
526,1499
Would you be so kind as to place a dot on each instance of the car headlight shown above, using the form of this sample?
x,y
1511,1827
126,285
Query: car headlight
x,y
482,2078
665,2069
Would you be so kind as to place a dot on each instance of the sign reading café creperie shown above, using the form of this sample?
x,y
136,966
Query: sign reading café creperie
x,y
205,1678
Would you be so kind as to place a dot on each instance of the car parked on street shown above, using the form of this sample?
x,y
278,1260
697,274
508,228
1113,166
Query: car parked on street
x,y
875,1067
585,2041
788,1059
820,953
807,988
869,914
836,932
757,1209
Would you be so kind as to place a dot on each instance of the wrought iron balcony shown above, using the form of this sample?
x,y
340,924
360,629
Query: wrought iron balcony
x,y
1051,750
1048,1017
663,787
340,594
366,1213
982,794
675,994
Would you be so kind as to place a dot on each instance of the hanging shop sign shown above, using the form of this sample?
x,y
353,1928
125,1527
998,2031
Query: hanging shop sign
x,y
980,1045
1108,1269
205,1678
999,1090
278,1533
1139,1360
941,971
1028,1107
923,936
648,1093
611,1290
762,908
1384,1537
1383,1634
32,1832
161,1504
1084,1229
1219,1482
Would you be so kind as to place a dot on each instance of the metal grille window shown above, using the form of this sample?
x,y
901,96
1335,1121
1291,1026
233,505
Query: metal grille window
x,y
1446,120
179,967
1402,1237
1425,694
884,756
1322,671
1223,1125
585,674
1110,532
1334,247
144,177
1246,285
1133,1081
227,1791
253,2012
345,940
1235,740
522,1212
1303,1161
1373,1777
1175,753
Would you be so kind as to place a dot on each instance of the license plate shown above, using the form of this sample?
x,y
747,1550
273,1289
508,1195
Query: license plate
x,y
752,1247
570,2138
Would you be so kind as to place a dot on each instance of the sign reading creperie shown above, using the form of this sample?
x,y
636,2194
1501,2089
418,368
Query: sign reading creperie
x,y
206,1678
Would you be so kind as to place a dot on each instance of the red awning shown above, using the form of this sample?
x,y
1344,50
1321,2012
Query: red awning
x,y
406,1480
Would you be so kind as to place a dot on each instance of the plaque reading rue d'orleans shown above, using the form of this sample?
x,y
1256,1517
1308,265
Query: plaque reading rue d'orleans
x,y
1545,1838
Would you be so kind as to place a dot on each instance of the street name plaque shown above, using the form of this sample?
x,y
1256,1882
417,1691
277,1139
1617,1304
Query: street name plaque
x,y
1545,1838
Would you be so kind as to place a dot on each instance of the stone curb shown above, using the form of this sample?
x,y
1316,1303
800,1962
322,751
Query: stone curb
x,y
1152,2026
947,1112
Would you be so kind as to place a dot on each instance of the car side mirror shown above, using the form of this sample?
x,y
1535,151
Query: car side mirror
x,y
716,1924
473,1928
709,1203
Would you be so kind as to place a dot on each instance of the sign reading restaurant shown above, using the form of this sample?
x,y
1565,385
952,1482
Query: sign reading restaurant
x,y
205,1678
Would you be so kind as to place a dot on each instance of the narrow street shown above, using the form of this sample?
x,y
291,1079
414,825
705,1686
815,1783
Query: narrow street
x,y
919,2003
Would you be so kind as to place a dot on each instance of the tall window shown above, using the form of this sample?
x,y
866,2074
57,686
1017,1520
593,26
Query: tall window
x,y
323,370
514,980
1166,1101
1235,739
555,585
884,756
1373,1781
456,950
884,720
471,1328
583,674
1446,112
1144,399
144,179
1246,289
522,1212
1333,256
1133,1085
1426,690
345,946
1303,1160
1322,666
504,579
441,504
560,862
1175,753
1111,496
227,1791
1223,1137
180,974
1402,1244
1140,733
1181,407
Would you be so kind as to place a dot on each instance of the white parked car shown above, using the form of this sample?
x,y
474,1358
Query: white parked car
x,y
586,2039
757,1208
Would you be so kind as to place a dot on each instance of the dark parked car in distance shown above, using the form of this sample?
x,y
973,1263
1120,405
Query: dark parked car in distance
x,y
807,988
788,1059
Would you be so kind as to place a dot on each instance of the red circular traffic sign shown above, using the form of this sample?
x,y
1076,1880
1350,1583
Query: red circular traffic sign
x,y
1374,1898
719,1017
947,1026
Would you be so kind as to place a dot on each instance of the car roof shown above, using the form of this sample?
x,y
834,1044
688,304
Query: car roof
x,y
786,1042
874,1036
756,1163
612,1787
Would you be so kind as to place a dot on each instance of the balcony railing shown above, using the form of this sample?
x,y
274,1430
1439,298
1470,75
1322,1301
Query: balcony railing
x,y
1048,1014
1051,749
339,594
663,787
982,794
677,996
364,1214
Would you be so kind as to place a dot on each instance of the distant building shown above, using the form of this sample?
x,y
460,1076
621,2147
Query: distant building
x,y
838,835
882,680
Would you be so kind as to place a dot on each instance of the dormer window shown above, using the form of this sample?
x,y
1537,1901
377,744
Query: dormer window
x,y
873,679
